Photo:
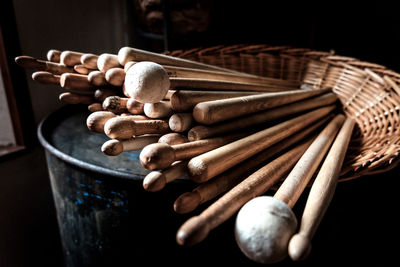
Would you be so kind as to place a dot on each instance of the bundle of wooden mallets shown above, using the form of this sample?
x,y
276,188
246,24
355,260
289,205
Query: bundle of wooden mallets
x,y
235,134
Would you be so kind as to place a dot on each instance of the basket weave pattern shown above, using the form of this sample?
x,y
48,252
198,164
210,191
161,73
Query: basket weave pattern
x,y
368,92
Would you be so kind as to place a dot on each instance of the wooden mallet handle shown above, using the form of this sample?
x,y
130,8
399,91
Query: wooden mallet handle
x,y
41,65
115,147
125,127
291,189
321,193
46,77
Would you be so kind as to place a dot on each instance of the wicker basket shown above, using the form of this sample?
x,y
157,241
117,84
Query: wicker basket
x,y
369,93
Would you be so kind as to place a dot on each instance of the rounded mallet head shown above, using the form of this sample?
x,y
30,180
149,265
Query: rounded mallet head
x,y
263,228
147,82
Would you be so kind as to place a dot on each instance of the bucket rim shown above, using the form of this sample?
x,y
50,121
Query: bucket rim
x,y
71,160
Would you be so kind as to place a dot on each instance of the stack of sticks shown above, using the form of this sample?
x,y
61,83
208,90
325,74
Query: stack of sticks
x,y
233,133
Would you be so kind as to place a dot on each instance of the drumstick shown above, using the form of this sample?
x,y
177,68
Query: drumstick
x,y
82,69
97,78
148,82
197,228
265,225
95,121
126,54
115,104
173,139
180,122
162,155
70,58
125,127
156,180
211,112
46,77
115,76
95,107
189,201
89,61
78,82
107,61
41,65
158,110
210,164
53,55
73,98
115,147
134,107
321,193
183,100
205,131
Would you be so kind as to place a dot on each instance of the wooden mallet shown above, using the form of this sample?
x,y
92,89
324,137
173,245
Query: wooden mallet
x,y
265,225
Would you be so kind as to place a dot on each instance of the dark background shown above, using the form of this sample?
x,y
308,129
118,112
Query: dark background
x,y
361,224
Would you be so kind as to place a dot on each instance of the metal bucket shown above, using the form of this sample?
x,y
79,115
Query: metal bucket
x,y
105,217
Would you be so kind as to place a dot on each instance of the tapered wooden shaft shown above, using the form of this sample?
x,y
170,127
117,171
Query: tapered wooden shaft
x,y
321,193
205,131
184,100
115,147
127,54
291,189
210,164
197,228
220,110
73,98
162,155
125,127
41,65
46,77
187,202
78,82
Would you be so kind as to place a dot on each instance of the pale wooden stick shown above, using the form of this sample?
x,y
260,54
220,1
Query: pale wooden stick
x,y
321,193
89,61
210,164
70,58
162,155
115,104
77,82
205,131
173,139
180,122
219,110
297,180
115,147
127,54
82,69
189,201
197,228
107,61
158,110
115,76
97,78
183,100
95,121
124,127
53,55
41,65
46,77
156,180
265,224
73,98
